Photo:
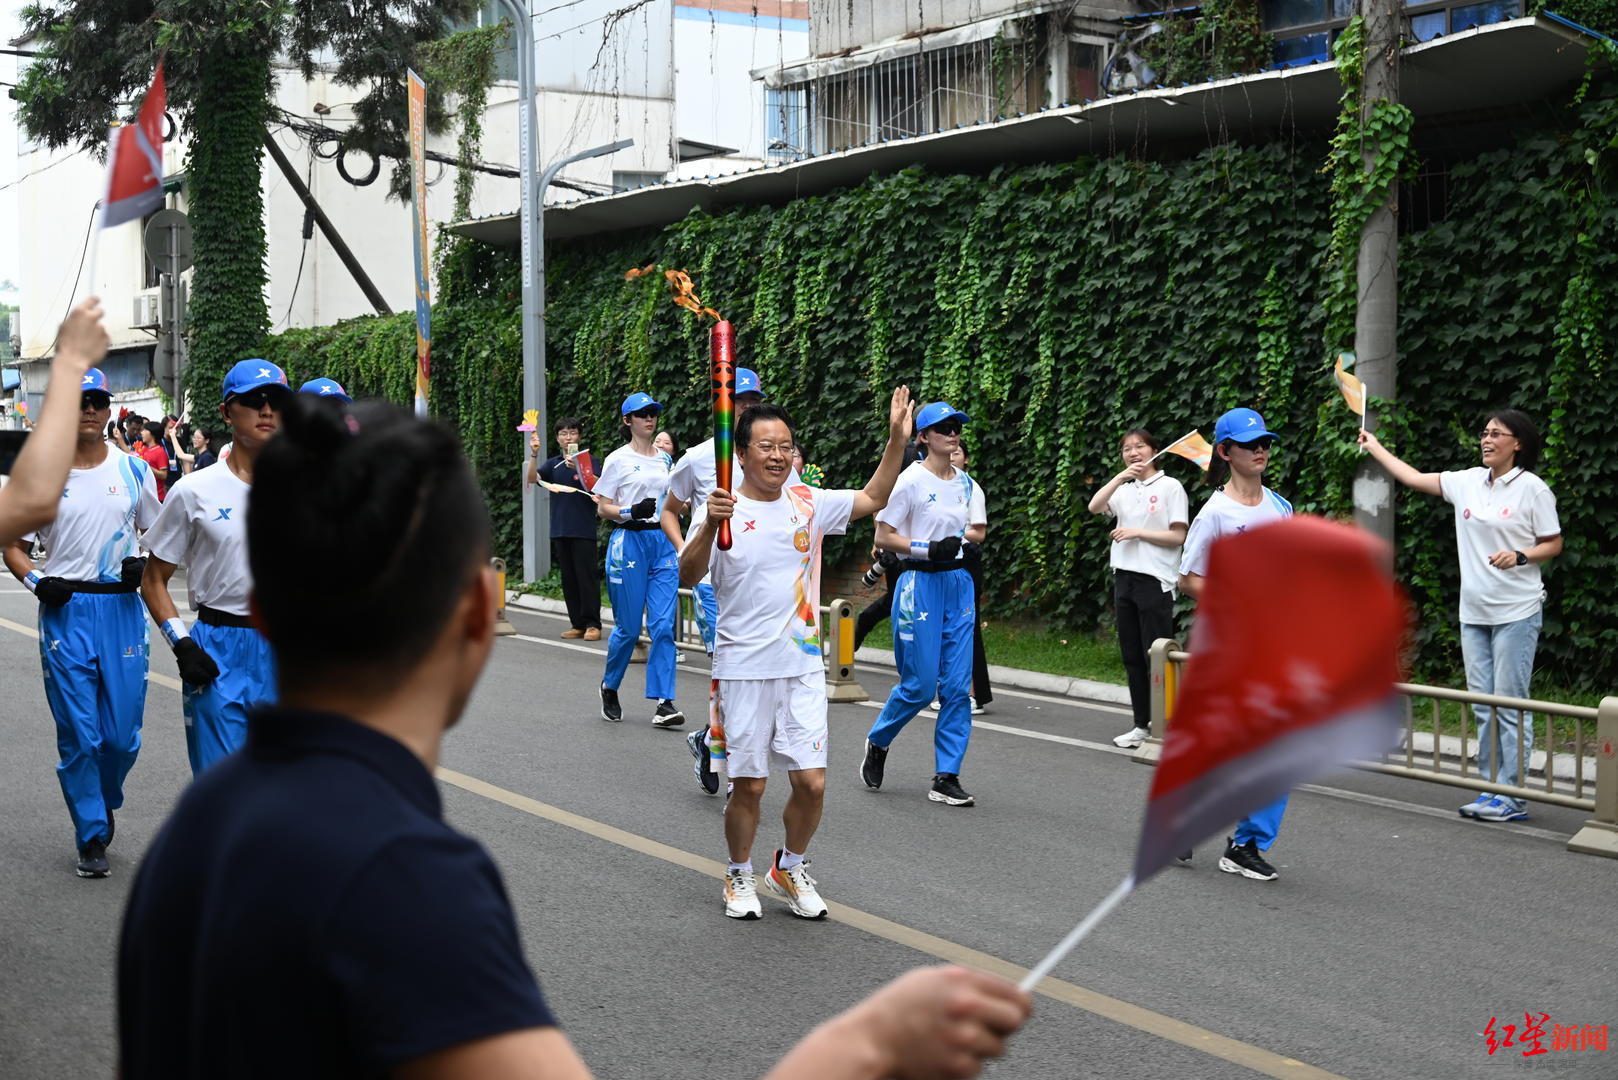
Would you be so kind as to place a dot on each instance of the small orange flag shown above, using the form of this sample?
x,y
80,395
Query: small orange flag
x,y
1192,447
1353,389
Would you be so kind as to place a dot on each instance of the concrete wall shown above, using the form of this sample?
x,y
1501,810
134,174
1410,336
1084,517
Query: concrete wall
x,y
849,24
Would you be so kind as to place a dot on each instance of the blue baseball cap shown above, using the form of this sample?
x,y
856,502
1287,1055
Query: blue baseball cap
x,y
252,374
937,413
95,382
325,388
1241,425
747,382
638,401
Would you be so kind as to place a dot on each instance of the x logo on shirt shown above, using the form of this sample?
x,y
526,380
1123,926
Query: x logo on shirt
x,y
224,513
932,497
749,526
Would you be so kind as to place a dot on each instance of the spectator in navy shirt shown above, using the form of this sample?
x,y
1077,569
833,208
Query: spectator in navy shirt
x,y
573,531
306,912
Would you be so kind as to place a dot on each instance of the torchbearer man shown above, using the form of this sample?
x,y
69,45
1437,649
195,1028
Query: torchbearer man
x,y
92,631
224,662
767,654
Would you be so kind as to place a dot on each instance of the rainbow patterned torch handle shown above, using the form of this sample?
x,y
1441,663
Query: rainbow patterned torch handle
x,y
722,347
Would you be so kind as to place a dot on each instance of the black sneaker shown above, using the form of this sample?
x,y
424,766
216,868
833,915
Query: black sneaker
x,y
1246,861
947,789
610,709
876,759
93,860
698,746
667,714
1184,856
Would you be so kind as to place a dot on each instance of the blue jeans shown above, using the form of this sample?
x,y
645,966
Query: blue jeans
x,y
1500,660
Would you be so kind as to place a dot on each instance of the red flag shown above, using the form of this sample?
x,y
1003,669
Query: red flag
x,y
586,469
1294,656
135,161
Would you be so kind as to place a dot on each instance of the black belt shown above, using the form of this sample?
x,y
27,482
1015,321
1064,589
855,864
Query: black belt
x,y
103,588
928,566
215,617
639,526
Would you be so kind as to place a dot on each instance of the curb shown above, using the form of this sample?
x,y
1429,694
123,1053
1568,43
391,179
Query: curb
x,y
1079,690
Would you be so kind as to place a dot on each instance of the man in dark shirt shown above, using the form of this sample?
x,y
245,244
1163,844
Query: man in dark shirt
x,y
573,530
306,912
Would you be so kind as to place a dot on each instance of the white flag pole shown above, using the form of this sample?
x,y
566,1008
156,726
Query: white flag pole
x,y
1171,446
1078,933
94,239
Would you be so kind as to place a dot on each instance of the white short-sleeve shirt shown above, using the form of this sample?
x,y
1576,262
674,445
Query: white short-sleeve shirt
x,y
98,517
203,524
925,507
627,477
1155,504
1223,516
1512,513
768,583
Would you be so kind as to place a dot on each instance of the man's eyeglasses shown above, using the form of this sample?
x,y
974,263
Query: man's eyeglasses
x,y
1495,433
94,402
645,414
769,448
1256,445
947,427
257,399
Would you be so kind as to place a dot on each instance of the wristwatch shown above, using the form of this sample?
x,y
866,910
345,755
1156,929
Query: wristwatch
x,y
1522,559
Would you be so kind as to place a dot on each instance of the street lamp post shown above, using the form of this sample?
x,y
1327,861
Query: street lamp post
x,y
536,509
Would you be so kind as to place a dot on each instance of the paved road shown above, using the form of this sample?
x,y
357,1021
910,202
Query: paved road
x,y
1395,932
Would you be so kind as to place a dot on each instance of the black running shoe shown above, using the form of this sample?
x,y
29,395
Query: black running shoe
x,y
947,789
610,709
93,860
876,759
1246,861
667,714
698,746
1184,856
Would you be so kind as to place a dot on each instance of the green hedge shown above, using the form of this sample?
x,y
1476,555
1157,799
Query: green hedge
x,y
1059,304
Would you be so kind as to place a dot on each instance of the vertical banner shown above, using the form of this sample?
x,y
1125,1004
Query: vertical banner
x,y
418,237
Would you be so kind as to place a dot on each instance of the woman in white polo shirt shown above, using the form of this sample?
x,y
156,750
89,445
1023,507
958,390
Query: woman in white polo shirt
x,y
1505,526
1151,516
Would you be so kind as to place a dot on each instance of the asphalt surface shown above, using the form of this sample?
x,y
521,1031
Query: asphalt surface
x,y
1396,930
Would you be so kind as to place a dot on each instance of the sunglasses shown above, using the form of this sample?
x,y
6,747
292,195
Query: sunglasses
x,y
646,414
948,427
257,399
1256,445
93,400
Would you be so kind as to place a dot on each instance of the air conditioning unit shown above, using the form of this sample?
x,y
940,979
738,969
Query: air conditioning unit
x,y
147,307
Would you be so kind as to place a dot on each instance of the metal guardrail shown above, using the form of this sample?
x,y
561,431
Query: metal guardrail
x,y
1578,790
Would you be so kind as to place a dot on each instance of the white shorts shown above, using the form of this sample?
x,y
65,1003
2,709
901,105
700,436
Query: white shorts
x,y
779,721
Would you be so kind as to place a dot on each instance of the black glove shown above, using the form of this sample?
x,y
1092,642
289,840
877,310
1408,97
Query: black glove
x,y
972,550
643,509
196,666
53,591
134,568
944,550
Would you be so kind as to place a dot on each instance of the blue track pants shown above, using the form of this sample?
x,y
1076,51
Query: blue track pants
x,y
643,583
706,609
216,715
932,644
94,652
1262,825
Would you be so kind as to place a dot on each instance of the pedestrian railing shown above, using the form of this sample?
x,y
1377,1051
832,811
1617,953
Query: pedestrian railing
x,y
1580,772
836,635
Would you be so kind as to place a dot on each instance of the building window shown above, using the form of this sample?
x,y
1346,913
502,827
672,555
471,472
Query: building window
x,y
626,181
786,124
1304,29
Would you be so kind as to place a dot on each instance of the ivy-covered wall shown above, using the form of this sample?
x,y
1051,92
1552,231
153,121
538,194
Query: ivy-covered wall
x,y
1061,303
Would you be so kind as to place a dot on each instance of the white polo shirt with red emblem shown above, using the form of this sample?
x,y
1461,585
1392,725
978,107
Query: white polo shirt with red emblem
x,y
1512,513
1154,504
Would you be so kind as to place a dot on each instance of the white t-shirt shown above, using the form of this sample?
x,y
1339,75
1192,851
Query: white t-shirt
x,y
1509,514
695,475
1154,504
96,521
768,583
1223,516
627,477
204,525
923,507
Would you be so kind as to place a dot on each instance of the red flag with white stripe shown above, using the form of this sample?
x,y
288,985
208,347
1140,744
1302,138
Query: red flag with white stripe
x,y
135,161
1293,659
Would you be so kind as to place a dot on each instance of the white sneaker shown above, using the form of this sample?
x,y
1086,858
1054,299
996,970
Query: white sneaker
x,y
1132,738
977,710
798,888
741,895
